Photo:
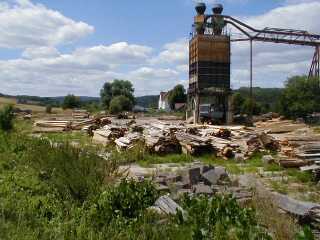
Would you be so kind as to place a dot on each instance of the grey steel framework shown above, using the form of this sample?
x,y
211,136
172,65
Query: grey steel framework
x,y
314,70
278,35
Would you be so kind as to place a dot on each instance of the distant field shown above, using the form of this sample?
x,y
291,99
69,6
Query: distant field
x,y
34,108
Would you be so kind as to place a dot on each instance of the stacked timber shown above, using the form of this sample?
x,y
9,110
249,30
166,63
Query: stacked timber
x,y
194,145
262,141
54,126
302,151
83,124
128,141
162,144
223,133
80,114
108,133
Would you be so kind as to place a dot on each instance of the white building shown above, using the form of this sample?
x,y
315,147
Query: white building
x,y
163,102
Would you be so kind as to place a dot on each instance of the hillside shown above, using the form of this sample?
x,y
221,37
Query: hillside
x,y
148,101
266,97
263,96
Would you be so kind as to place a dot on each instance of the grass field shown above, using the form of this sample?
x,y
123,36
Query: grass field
x,y
35,108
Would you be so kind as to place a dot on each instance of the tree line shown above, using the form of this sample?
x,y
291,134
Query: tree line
x,y
299,98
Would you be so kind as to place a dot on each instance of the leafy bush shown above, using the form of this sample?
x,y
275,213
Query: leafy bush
x,y
71,101
115,89
119,104
48,109
300,97
220,218
177,95
75,173
127,200
6,118
305,234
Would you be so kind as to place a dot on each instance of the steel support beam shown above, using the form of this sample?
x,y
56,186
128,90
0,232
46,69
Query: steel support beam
x,y
315,65
251,78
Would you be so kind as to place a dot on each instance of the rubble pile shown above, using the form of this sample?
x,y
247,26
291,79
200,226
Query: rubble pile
x,y
193,179
200,180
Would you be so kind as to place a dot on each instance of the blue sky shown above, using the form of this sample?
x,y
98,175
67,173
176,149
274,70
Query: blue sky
x,y
56,47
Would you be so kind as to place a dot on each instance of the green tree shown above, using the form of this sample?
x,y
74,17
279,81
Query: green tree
x,y
238,101
114,89
177,95
6,118
300,97
248,104
49,109
119,104
71,101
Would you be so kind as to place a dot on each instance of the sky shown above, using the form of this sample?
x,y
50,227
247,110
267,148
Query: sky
x,y
59,47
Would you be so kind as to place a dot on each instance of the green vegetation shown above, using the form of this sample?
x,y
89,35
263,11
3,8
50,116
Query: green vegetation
x,y
177,95
150,101
265,100
49,109
6,118
300,97
305,234
119,104
71,101
117,96
53,190
297,175
281,226
220,218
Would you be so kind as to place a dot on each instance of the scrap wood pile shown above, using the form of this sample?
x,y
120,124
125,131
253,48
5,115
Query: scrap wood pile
x,y
109,133
52,126
165,138
193,144
80,120
160,138
299,144
128,141
80,114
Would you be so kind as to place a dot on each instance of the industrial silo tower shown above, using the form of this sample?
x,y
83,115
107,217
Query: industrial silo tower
x,y
209,90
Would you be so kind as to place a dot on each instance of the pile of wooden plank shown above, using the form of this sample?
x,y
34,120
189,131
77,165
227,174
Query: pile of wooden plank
x,y
108,133
194,145
162,144
84,124
261,141
53,126
80,114
128,141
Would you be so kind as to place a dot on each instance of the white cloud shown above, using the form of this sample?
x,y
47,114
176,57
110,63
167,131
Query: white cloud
x,y
149,80
297,16
43,70
82,72
299,1
24,24
173,53
40,52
